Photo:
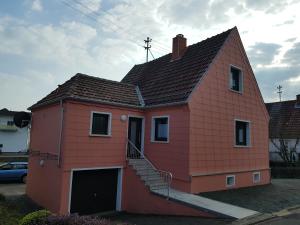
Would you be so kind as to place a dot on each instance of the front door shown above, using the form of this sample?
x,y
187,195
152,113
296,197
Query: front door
x,y
135,126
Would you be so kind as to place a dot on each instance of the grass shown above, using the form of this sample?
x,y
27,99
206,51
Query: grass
x,y
14,208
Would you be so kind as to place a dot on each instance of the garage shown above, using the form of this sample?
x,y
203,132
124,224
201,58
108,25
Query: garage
x,y
94,191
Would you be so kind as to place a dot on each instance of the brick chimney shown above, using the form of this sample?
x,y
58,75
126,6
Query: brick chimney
x,y
179,46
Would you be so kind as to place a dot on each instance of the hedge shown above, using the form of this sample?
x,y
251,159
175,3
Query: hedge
x,y
285,172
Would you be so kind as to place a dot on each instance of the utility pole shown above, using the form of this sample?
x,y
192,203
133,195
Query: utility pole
x,y
147,47
279,88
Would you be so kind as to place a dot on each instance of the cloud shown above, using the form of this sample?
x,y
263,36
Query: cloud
x,y
263,53
37,5
88,6
292,56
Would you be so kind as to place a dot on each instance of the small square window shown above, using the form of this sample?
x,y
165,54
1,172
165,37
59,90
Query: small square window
x,y
160,129
242,133
236,79
230,180
101,124
256,177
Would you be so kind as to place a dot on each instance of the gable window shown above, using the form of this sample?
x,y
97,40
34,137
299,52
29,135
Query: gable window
x,y
242,133
160,129
236,79
100,124
230,180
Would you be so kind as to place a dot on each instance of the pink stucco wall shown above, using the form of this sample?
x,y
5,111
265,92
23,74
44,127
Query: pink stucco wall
x,y
213,110
44,182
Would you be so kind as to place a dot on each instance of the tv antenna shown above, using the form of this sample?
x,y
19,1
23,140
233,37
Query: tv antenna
x,y
279,88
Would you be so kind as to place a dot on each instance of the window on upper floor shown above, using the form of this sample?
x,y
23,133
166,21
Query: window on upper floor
x,y
160,129
242,133
236,79
100,124
10,123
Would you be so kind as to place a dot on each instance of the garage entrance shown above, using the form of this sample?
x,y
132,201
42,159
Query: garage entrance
x,y
94,191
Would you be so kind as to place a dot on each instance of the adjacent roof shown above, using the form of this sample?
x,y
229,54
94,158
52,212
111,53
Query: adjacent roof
x,y
88,88
6,112
284,120
163,81
159,82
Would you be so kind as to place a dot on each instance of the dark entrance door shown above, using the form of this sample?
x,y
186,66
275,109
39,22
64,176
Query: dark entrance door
x,y
94,191
135,136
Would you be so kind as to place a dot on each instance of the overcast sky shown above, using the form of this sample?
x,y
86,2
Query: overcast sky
x,y
44,43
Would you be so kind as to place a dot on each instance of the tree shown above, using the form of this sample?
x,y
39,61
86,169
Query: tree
x,y
288,154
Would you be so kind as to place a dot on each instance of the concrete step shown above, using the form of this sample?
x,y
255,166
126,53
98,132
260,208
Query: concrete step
x,y
151,178
218,208
147,172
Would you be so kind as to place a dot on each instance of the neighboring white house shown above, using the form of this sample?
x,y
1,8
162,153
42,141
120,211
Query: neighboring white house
x,y
12,138
285,125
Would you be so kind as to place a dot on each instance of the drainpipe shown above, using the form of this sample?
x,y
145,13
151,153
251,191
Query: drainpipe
x,y
60,132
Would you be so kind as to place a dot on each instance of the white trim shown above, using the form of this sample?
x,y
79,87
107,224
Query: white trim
x,y
109,124
248,134
119,183
259,177
143,131
241,81
153,129
230,185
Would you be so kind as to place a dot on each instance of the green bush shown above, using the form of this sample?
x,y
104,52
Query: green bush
x,y
34,217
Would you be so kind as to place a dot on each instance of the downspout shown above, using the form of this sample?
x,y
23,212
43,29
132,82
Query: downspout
x,y
60,132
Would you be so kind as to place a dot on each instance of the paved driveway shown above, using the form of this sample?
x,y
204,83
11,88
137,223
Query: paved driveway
x,y
280,194
12,189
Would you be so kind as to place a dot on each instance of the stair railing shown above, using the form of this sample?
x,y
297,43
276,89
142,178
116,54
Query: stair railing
x,y
134,153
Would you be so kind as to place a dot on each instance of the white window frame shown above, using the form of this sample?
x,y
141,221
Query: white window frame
x,y
259,177
241,87
153,129
248,134
109,124
230,185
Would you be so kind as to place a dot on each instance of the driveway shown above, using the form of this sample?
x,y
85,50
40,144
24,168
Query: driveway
x,y
280,194
12,189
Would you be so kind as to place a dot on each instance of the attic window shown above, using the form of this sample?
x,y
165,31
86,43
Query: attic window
x,y
100,124
236,79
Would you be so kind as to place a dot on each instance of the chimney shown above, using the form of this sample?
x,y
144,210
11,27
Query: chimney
x,y
298,101
179,46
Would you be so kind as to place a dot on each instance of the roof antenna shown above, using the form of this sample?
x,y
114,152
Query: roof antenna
x,y
147,47
279,88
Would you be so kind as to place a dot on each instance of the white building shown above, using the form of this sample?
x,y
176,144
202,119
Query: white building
x,y
285,125
12,138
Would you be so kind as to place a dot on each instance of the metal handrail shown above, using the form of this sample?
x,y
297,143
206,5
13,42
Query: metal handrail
x,y
167,176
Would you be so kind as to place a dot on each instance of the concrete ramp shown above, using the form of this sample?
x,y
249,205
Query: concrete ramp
x,y
217,208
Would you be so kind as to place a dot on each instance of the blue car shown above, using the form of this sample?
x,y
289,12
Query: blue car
x,y
13,171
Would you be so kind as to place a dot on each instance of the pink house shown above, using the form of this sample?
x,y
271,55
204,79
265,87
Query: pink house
x,y
188,122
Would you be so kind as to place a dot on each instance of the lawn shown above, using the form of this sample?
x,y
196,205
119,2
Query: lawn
x,y
280,194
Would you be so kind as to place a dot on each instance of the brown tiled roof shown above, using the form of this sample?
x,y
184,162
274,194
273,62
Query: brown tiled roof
x,y
88,88
284,120
163,81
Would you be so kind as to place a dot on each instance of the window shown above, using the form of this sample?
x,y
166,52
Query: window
x,y
7,166
100,124
242,133
10,123
160,129
230,180
256,177
20,166
236,79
